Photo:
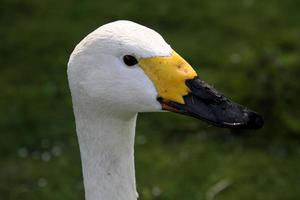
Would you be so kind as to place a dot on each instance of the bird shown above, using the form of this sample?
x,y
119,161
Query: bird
x,y
119,70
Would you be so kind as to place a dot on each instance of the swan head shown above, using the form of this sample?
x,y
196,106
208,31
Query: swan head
x,y
126,67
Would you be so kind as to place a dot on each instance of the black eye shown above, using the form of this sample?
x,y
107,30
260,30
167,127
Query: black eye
x,y
130,60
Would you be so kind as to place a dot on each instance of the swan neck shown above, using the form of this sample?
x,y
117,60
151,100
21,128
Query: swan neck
x,y
107,153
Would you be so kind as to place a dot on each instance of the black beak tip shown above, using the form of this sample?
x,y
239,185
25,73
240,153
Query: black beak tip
x,y
255,121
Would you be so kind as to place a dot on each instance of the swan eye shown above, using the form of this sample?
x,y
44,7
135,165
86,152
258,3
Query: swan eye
x,y
130,60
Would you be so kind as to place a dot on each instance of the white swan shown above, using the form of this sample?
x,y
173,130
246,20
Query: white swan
x,y
118,70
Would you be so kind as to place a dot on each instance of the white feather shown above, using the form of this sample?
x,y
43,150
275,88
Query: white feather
x,y
107,95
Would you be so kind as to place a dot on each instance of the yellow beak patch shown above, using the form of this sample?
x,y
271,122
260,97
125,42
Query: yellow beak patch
x,y
169,74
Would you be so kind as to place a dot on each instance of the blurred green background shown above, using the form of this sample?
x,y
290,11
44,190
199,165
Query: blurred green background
x,y
248,49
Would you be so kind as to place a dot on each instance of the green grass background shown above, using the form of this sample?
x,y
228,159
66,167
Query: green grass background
x,y
248,49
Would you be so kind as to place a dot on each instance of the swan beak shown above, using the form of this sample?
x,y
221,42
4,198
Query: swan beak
x,y
180,90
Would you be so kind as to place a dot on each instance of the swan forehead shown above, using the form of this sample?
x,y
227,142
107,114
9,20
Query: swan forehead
x,y
126,37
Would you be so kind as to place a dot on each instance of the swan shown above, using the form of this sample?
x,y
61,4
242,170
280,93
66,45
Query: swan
x,y
123,68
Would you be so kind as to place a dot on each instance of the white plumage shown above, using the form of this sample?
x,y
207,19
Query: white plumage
x,y
107,95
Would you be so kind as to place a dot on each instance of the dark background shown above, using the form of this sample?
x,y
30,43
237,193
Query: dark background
x,y
248,49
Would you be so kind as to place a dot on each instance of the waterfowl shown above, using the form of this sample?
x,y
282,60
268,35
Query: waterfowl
x,y
119,70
